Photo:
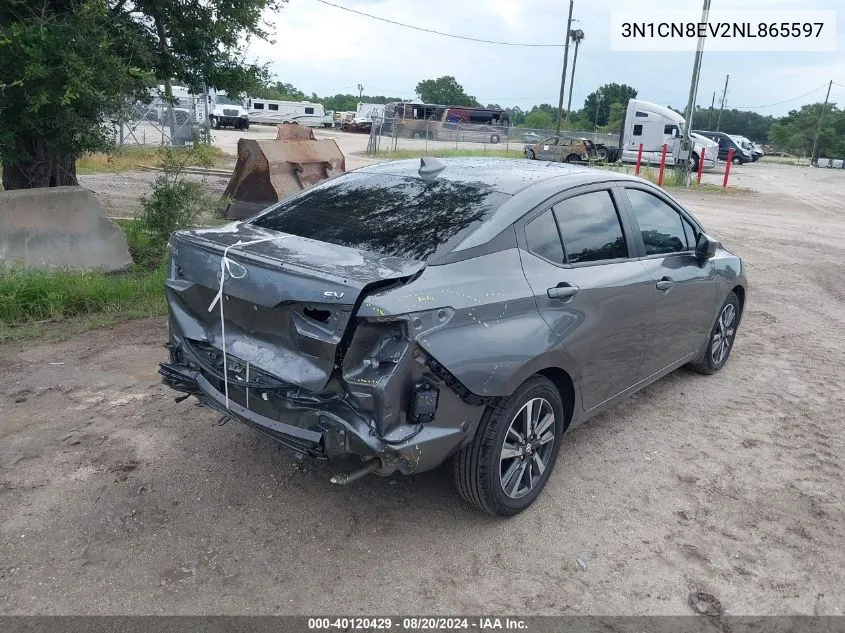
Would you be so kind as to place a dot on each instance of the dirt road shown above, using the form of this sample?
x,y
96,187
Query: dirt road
x,y
115,499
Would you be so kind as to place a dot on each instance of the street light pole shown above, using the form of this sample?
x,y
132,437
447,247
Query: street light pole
x,y
577,36
563,73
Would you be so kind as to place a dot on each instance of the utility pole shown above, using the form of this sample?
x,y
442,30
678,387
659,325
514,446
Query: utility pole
x,y
686,146
576,36
722,106
598,107
710,114
360,91
813,157
563,73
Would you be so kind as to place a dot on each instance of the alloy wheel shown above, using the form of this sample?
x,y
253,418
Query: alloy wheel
x,y
527,448
724,334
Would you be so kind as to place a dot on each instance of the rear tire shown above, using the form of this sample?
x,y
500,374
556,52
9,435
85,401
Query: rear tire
x,y
503,470
215,123
573,158
721,340
494,139
693,163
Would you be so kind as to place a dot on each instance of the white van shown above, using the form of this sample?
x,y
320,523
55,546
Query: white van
x,y
653,126
273,112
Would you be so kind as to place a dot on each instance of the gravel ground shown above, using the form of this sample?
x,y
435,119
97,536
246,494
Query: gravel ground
x,y
115,499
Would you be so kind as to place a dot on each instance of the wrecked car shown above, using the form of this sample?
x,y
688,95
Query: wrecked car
x,y
410,312
562,149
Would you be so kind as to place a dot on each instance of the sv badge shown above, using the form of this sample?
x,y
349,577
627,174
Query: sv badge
x,y
330,294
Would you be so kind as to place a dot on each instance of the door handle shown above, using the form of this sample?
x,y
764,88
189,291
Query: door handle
x,y
562,291
665,284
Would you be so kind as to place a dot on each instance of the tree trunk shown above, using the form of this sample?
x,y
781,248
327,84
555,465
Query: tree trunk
x,y
41,169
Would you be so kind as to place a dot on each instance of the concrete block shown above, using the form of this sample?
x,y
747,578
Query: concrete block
x,y
59,227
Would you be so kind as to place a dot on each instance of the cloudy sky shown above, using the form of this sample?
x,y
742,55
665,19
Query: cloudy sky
x,y
327,50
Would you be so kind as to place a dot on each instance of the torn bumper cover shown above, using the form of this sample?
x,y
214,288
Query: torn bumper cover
x,y
324,426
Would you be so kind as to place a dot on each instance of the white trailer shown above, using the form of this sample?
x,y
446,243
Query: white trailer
x,y
653,126
274,112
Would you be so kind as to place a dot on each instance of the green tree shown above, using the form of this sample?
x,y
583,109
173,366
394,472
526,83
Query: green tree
x,y
597,104
446,91
62,73
796,131
69,64
278,91
539,120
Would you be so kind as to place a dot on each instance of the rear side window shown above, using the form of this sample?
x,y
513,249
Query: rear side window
x,y
258,106
380,213
309,110
590,228
661,227
638,130
542,237
273,106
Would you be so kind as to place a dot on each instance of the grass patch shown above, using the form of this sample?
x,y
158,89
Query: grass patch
x,y
400,154
128,158
786,160
30,299
57,304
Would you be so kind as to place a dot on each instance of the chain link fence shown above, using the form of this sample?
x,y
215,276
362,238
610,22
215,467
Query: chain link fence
x,y
390,136
160,123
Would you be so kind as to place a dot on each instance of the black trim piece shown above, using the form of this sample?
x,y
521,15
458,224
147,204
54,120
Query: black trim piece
x,y
456,385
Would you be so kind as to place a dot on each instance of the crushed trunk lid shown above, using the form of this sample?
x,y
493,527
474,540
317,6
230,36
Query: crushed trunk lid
x,y
287,300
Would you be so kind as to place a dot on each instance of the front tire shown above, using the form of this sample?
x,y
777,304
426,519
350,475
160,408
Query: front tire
x,y
737,160
529,154
215,123
693,163
510,459
573,158
494,139
722,337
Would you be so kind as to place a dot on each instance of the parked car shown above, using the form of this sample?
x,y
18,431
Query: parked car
x,y
561,149
409,312
749,146
726,143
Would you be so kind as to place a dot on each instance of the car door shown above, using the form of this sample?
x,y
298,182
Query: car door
x,y
547,149
595,296
684,288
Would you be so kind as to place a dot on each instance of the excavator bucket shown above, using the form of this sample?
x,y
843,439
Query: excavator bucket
x,y
269,170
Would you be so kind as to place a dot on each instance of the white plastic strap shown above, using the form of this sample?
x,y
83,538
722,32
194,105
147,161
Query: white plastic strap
x,y
226,265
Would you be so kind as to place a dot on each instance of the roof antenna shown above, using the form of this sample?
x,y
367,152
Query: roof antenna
x,y
430,167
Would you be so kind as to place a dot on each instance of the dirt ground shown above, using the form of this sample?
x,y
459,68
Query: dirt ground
x,y
116,499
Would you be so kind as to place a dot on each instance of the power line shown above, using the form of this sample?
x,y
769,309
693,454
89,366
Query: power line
x,y
769,105
425,30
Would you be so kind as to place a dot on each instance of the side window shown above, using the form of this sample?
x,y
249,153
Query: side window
x,y
671,130
641,114
689,231
273,106
309,110
543,239
258,105
638,130
589,226
661,226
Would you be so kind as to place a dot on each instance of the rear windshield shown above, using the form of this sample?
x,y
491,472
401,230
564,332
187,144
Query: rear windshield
x,y
390,215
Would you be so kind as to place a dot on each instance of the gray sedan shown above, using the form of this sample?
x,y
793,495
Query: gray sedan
x,y
476,309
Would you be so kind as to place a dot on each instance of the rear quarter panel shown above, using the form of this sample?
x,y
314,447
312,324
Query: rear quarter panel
x,y
495,338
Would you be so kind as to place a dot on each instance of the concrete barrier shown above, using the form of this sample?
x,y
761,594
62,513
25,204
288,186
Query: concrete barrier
x,y
59,227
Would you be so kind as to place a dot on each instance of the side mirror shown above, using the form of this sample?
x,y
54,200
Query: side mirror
x,y
705,247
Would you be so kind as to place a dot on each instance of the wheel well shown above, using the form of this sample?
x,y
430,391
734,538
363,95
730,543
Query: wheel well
x,y
566,388
740,295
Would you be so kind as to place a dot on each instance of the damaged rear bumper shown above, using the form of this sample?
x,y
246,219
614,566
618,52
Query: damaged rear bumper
x,y
332,429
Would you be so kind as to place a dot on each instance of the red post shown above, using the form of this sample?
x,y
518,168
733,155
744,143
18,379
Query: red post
x,y
662,166
701,163
728,167
639,160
